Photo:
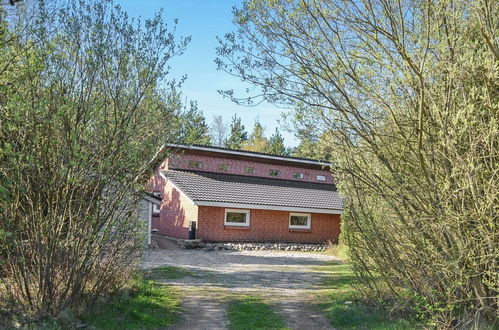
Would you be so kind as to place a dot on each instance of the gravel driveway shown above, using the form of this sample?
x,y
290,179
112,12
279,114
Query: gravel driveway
x,y
288,280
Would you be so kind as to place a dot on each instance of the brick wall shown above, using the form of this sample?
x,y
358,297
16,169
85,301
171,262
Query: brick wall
x,y
266,226
176,210
211,164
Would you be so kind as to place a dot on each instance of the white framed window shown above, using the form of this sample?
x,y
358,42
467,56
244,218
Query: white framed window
x,y
237,217
298,175
299,220
321,177
275,172
155,207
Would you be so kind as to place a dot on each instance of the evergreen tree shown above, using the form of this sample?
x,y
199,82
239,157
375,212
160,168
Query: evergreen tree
x,y
195,130
189,124
238,134
308,138
276,144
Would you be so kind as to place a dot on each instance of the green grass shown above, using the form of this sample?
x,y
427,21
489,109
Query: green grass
x,y
149,305
250,312
337,250
167,273
345,311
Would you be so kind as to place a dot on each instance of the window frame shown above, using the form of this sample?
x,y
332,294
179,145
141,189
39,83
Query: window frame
x,y
156,209
322,176
298,175
273,169
307,226
249,170
237,224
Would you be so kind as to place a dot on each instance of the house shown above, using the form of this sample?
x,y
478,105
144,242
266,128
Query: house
x,y
218,194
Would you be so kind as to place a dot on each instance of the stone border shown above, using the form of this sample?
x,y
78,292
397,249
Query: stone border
x,y
164,242
241,246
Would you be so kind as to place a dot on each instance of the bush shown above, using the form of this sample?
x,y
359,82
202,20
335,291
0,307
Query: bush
x,y
82,120
405,96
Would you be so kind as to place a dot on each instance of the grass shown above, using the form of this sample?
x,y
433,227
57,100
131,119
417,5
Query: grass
x,y
345,311
167,273
336,250
149,305
249,312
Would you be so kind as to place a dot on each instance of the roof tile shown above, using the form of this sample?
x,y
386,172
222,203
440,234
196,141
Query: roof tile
x,y
230,188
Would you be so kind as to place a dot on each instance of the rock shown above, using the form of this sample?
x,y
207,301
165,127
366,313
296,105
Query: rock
x,y
189,245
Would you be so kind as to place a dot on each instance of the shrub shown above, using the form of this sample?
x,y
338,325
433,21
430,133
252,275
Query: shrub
x,y
81,121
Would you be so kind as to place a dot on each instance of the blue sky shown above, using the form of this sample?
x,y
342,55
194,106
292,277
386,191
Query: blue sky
x,y
204,20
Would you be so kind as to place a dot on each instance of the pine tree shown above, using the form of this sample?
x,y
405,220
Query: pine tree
x,y
276,144
308,138
238,134
192,126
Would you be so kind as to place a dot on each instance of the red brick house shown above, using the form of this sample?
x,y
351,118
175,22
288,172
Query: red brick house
x,y
234,195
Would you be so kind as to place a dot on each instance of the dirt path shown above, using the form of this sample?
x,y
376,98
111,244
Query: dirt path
x,y
287,280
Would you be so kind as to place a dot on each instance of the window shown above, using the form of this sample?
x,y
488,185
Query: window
x,y
275,172
298,175
237,217
321,177
299,221
194,164
155,207
249,170
223,167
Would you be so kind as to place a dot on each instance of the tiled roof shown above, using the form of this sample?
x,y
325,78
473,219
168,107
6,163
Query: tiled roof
x,y
229,188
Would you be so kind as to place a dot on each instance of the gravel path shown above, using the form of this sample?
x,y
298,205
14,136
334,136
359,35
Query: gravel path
x,y
286,279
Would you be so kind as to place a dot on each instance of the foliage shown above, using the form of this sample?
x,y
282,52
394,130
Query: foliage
x,y
148,305
81,121
191,126
257,141
338,250
345,309
276,144
407,92
249,312
238,134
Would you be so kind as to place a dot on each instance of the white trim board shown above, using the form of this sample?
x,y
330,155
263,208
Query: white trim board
x,y
149,222
267,207
151,199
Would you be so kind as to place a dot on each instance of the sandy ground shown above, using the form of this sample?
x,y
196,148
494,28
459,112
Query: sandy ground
x,y
287,280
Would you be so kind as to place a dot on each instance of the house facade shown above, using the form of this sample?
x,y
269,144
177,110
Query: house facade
x,y
232,195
